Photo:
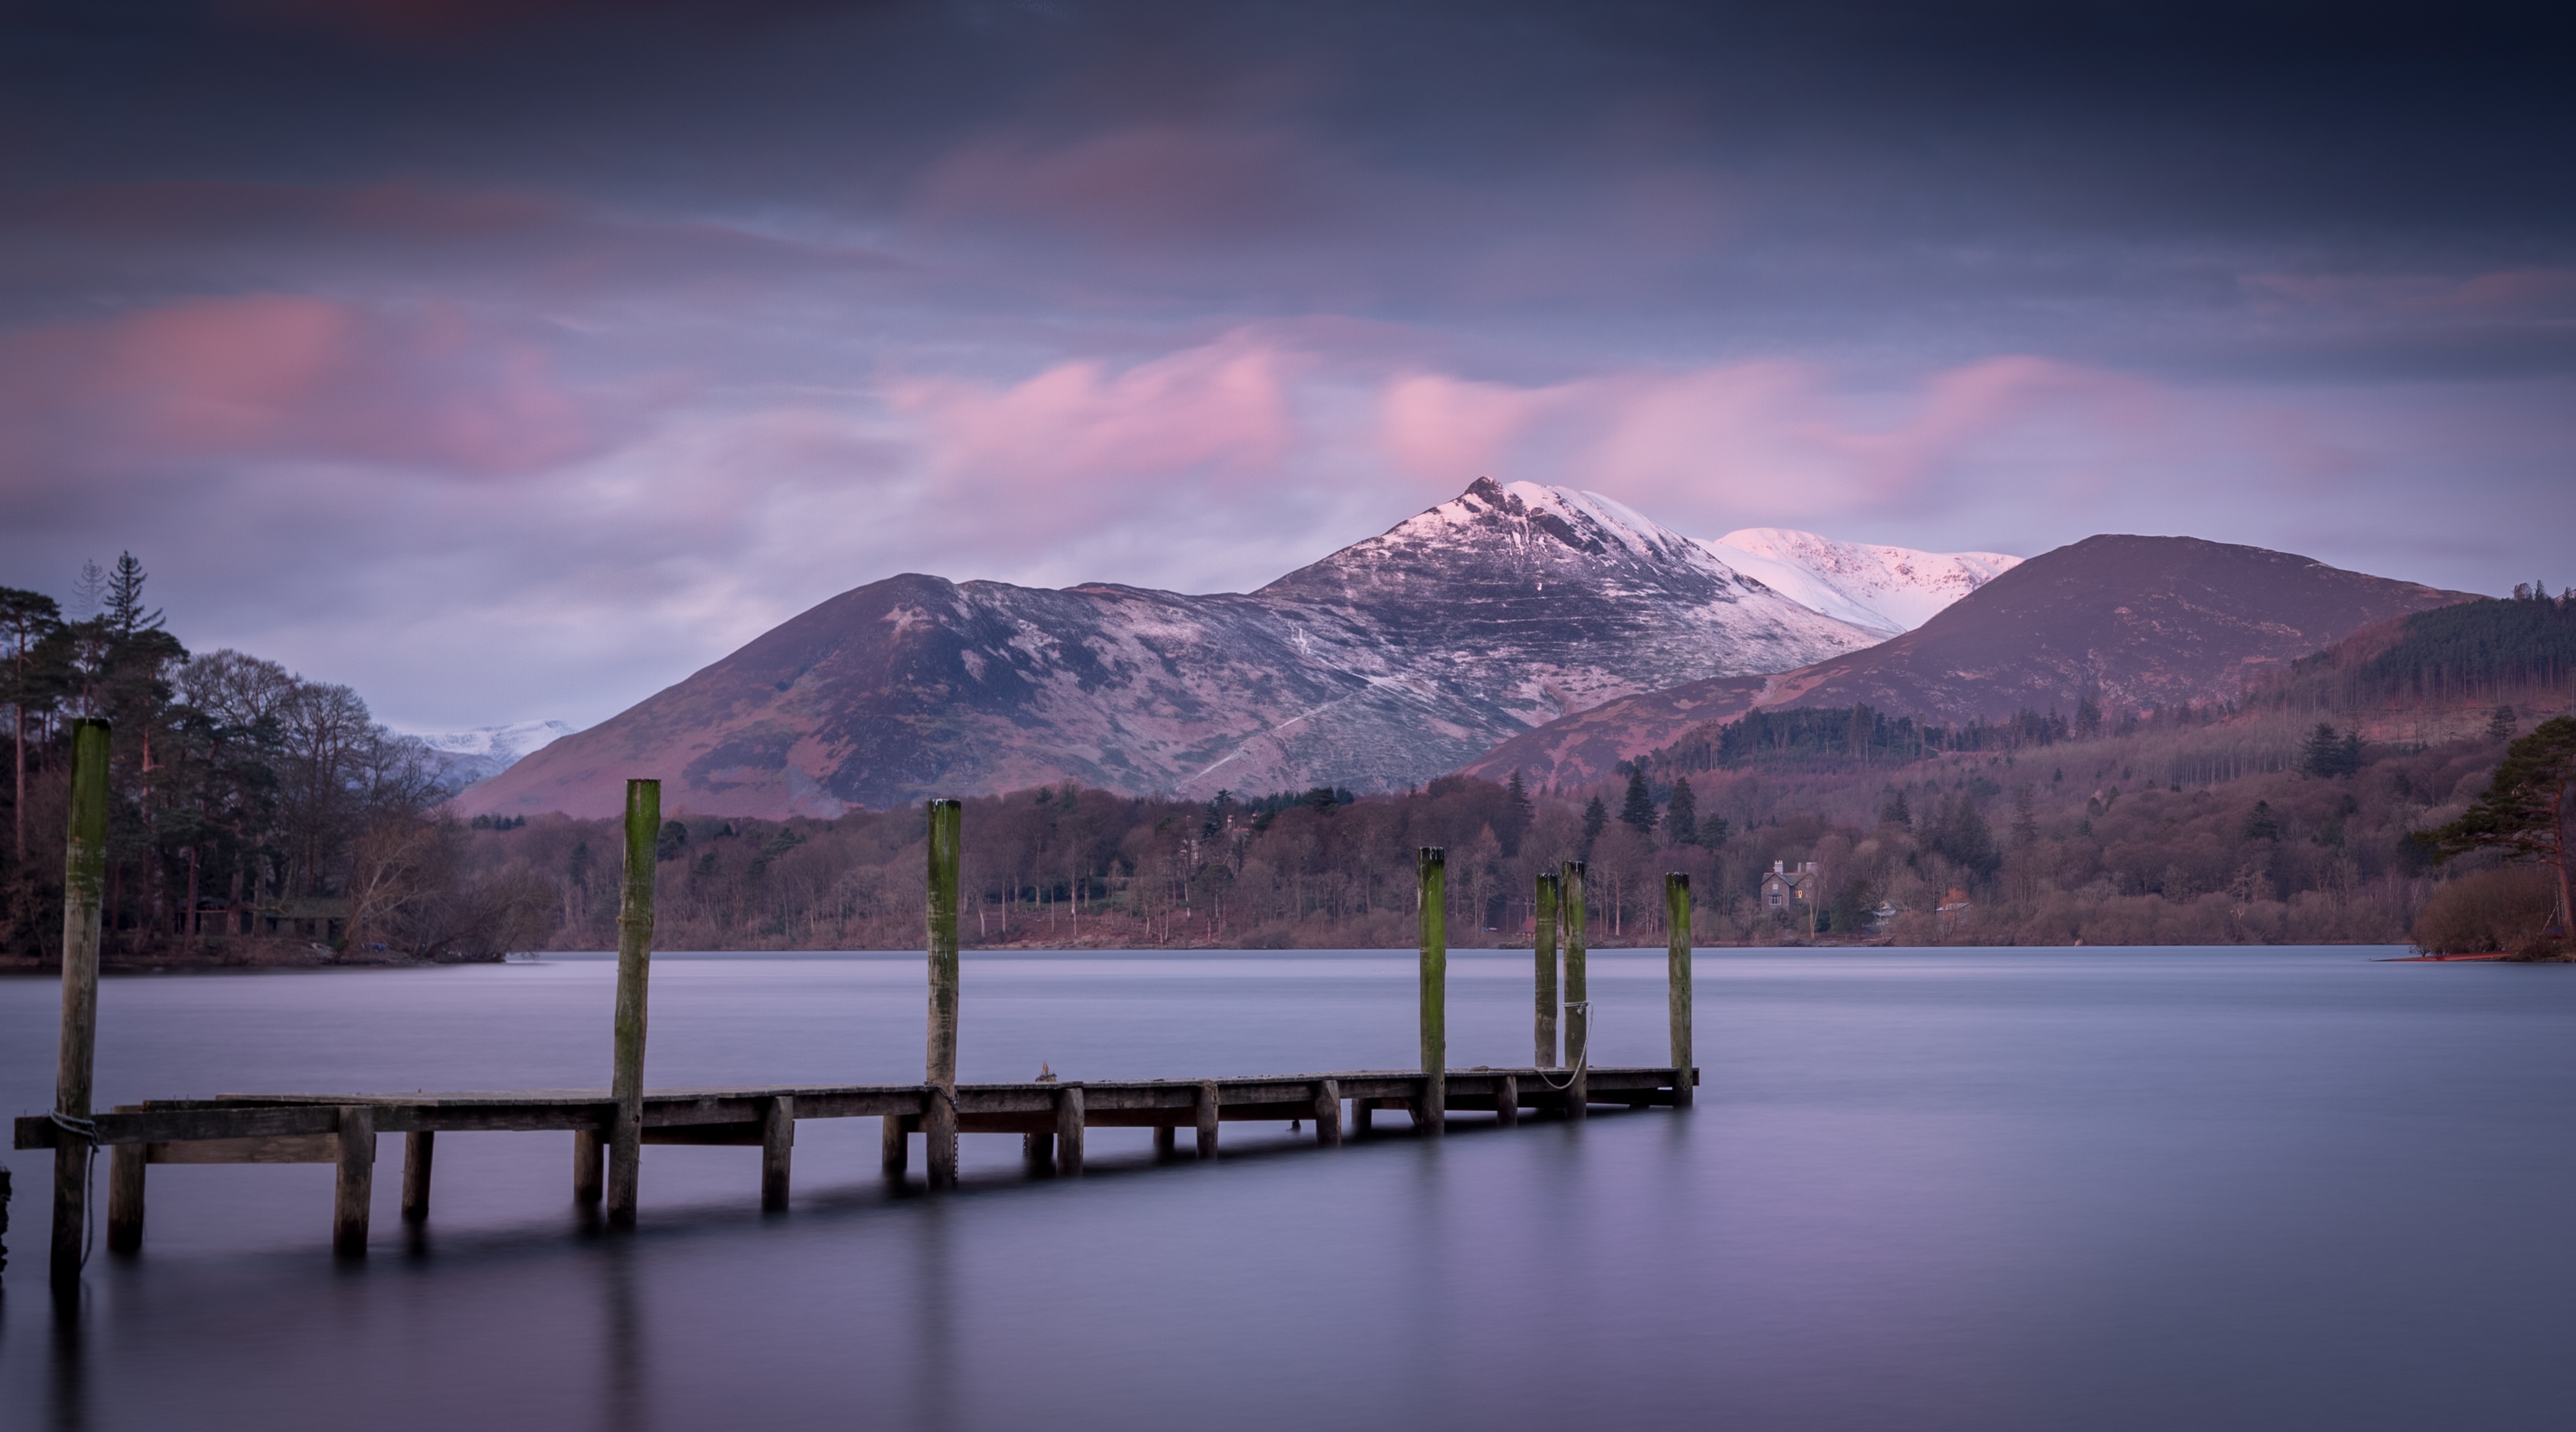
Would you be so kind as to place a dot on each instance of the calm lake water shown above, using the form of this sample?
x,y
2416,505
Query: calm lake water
x,y
2147,1189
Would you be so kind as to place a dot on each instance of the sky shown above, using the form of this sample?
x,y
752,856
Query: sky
x,y
512,359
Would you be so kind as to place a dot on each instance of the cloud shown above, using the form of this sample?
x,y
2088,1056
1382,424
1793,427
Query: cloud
x,y
288,378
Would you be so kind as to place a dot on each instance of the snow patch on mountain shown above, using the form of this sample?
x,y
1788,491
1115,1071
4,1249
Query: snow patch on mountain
x,y
463,757
1887,589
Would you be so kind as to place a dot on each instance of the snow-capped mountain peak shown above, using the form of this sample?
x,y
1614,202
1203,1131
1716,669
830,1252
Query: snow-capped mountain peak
x,y
1889,589
464,757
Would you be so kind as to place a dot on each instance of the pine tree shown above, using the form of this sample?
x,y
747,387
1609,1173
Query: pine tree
x,y
1596,818
1897,812
125,614
2325,755
2262,824
1681,813
2025,826
2524,810
1714,832
1518,812
1637,812
2500,725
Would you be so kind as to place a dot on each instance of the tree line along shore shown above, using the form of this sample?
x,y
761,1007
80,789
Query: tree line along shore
x,y
260,818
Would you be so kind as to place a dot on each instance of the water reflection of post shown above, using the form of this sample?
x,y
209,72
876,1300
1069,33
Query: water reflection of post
x,y
936,1397
69,1390
623,1405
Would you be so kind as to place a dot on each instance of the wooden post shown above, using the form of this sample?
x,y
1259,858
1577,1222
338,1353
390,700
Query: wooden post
x,y
1677,981
1328,1113
84,877
894,1144
125,1164
1578,997
418,1147
1166,1138
634,965
939,1118
1507,1101
1207,1119
357,1183
589,1159
1037,1150
1543,952
777,1148
1432,869
1363,1116
1068,1131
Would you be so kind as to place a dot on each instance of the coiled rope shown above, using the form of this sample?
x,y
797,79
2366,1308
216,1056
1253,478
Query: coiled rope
x,y
87,1132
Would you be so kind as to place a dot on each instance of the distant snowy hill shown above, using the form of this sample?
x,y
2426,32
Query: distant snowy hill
x,y
1386,663
464,757
1885,589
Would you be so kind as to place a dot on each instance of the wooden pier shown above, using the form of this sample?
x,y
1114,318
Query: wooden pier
x,y
610,1126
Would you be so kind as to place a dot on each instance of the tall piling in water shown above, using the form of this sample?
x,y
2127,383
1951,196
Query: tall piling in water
x,y
1578,999
84,878
634,967
939,1114
1677,980
1543,954
1432,869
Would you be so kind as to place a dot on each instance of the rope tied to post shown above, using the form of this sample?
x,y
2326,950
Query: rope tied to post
x,y
1582,1060
86,1131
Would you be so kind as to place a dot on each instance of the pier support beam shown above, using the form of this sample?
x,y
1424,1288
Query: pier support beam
x,y
634,967
1363,1117
939,1119
1432,870
418,1147
1207,1119
1068,1131
894,1143
356,1189
1578,997
1328,1113
84,878
125,1163
1507,1101
589,1166
1543,954
1165,1140
777,1149
1677,981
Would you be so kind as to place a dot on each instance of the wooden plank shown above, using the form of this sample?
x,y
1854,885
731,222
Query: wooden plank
x,y
1209,1110
634,974
418,1148
355,1191
1068,1132
777,1149
84,881
286,1148
125,1168
745,1135
946,843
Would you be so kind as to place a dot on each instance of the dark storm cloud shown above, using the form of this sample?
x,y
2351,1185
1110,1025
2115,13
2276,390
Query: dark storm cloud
x,y
786,296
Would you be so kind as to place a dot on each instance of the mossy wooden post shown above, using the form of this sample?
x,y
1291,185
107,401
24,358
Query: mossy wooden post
x,y
939,1118
1543,951
1578,998
1677,980
84,877
1432,868
634,964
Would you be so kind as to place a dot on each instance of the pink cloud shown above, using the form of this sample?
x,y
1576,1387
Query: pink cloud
x,y
282,377
2522,293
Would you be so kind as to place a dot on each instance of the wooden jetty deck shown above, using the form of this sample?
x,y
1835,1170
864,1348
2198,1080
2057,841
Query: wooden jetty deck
x,y
611,1126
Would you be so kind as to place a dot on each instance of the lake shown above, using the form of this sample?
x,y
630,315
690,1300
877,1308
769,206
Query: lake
x,y
1974,1189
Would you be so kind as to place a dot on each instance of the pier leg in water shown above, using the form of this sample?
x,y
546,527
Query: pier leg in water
x,y
1543,954
1507,1101
1677,981
125,1197
1432,869
1165,1140
589,1166
1578,997
356,1189
1037,1150
84,876
1328,1113
1068,1132
418,1147
894,1144
1363,1116
939,1119
634,966
1207,1119
777,1149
